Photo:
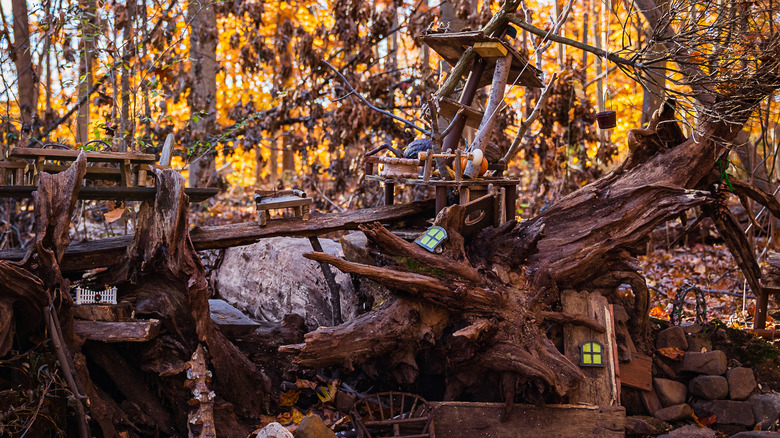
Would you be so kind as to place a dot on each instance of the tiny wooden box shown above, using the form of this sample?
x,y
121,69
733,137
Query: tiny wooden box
x,y
490,49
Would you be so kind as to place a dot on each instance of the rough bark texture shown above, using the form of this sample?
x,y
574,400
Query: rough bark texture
x,y
170,283
583,241
27,80
203,93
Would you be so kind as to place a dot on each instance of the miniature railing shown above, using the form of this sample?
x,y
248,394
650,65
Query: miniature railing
x,y
89,296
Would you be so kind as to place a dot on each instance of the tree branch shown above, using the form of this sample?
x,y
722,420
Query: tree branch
x,y
379,110
513,18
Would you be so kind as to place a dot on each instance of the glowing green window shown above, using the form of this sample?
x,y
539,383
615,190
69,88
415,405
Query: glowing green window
x,y
432,239
591,354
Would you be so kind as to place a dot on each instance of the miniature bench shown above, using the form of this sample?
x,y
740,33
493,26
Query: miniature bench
x,y
273,200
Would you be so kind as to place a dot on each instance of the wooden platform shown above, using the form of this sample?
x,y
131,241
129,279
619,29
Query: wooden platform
x,y
470,190
110,193
450,46
484,420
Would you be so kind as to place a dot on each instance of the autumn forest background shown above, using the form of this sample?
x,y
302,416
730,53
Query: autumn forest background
x,y
243,87
273,94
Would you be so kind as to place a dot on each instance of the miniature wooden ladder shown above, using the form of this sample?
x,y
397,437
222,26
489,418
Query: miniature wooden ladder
x,y
395,414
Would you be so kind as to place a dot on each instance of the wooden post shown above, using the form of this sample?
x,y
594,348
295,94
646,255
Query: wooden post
x,y
496,99
511,202
126,173
441,198
761,304
330,278
389,193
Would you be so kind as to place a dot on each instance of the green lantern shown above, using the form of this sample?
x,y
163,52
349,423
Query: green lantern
x,y
591,354
431,240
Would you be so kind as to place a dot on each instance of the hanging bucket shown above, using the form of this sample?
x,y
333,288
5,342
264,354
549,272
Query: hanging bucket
x,y
607,119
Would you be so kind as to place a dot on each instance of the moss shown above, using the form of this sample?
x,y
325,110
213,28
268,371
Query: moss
x,y
750,351
741,345
418,268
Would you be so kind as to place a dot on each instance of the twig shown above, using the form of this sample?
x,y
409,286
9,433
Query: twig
x,y
569,42
61,350
387,113
526,124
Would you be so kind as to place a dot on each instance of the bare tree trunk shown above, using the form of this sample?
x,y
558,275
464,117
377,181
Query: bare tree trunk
x,y
288,155
653,86
127,56
86,48
203,94
25,71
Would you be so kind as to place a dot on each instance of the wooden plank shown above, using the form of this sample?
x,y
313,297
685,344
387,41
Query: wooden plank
x,y
231,322
111,193
72,154
10,164
123,331
486,420
104,312
491,49
600,385
449,107
167,150
282,202
99,253
638,373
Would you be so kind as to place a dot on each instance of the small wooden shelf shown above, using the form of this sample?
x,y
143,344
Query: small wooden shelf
x,y
449,107
451,45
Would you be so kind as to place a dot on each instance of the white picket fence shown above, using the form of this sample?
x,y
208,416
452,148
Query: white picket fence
x,y
89,296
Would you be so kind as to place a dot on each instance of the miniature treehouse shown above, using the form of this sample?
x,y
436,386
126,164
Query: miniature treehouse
x,y
467,173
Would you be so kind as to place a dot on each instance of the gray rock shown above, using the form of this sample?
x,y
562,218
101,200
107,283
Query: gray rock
x,y
271,279
644,426
274,430
727,412
700,342
355,247
711,362
674,337
690,431
709,387
691,329
766,408
756,434
742,383
313,427
670,392
675,413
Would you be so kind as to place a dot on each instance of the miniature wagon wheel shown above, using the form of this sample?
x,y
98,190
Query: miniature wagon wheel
x,y
392,414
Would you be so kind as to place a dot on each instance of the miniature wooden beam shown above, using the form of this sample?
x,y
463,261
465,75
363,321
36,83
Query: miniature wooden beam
x,y
123,331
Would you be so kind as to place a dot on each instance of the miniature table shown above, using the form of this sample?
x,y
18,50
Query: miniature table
x,y
131,165
272,200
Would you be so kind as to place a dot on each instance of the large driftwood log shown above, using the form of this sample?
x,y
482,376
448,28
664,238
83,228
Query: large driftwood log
x,y
170,283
